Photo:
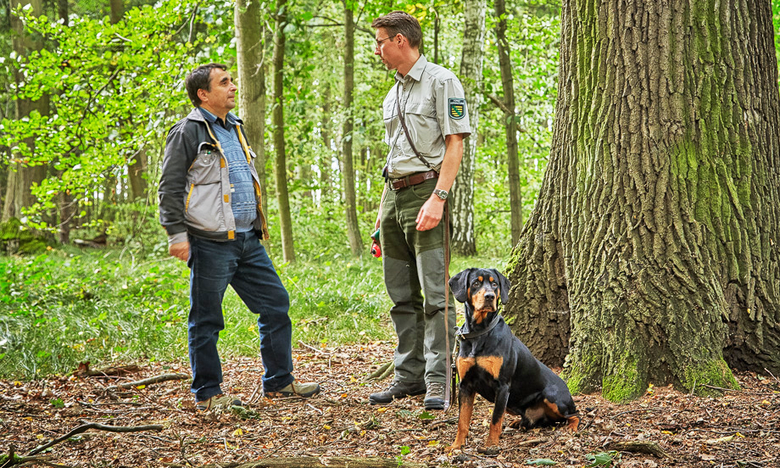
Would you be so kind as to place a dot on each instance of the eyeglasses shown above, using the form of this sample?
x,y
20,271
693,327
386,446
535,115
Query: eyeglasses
x,y
380,41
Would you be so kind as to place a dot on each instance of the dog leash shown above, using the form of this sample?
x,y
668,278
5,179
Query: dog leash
x,y
449,382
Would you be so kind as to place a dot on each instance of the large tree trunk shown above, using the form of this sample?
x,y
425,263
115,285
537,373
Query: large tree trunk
x,y
353,230
250,49
463,240
280,165
18,191
654,240
510,122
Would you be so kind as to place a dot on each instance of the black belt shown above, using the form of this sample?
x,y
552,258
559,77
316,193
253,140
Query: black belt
x,y
414,179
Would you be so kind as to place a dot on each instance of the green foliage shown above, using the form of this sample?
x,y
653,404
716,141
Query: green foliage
x,y
114,89
16,238
68,306
404,450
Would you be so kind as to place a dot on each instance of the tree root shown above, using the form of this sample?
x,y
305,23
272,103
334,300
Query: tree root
x,y
323,462
382,372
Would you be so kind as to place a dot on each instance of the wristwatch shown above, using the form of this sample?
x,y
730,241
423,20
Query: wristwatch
x,y
442,194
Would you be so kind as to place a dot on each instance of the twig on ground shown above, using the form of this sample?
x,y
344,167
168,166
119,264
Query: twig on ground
x,y
382,372
773,375
318,351
149,381
443,421
100,427
721,389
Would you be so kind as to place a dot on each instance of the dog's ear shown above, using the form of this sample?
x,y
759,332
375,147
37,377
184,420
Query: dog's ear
x,y
460,285
503,285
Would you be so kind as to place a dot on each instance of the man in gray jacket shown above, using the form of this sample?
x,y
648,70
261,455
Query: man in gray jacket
x,y
210,206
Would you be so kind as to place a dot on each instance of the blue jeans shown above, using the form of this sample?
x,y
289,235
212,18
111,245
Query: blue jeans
x,y
244,264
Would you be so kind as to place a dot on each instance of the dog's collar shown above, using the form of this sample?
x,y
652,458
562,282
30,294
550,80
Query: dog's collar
x,y
470,335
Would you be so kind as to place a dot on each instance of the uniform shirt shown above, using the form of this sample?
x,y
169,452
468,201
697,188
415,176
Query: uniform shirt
x,y
433,105
242,189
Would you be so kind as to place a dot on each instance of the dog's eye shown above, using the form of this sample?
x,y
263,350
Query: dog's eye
x,y
476,283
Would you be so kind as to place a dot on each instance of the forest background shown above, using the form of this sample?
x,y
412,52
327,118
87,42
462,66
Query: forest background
x,y
90,89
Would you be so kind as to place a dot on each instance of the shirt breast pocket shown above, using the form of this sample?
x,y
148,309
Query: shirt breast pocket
x,y
423,126
205,168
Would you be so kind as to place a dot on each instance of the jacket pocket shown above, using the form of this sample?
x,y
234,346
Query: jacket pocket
x,y
205,169
203,207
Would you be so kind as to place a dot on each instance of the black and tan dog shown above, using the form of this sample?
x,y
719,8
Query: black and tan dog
x,y
495,364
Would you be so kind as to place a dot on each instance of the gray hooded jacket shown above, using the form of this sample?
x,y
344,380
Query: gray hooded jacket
x,y
194,187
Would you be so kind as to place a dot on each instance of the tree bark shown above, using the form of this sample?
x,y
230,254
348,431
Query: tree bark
x,y
136,174
510,122
652,251
25,174
117,10
250,48
463,239
326,158
348,174
280,166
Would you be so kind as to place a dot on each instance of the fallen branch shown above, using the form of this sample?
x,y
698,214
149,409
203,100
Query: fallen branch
x,y
383,371
324,462
149,381
637,446
100,427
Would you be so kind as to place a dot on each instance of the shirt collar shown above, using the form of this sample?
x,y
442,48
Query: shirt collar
x,y
416,71
230,119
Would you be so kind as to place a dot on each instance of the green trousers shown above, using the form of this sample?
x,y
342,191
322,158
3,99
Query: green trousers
x,y
414,271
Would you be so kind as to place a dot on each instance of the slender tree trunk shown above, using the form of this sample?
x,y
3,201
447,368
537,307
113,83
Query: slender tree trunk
x,y
136,174
353,230
326,158
67,206
463,240
21,180
117,10
250,46
436,23
280,166
652,251
510,122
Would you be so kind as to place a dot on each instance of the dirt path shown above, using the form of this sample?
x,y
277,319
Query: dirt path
x,y
741,429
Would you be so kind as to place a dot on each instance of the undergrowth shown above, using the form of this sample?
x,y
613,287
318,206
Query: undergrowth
x,y
68,306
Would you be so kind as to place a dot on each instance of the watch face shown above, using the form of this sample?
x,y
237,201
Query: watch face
x,y
441,193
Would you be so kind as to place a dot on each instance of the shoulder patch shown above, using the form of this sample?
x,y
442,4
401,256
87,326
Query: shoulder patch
x,y
457,107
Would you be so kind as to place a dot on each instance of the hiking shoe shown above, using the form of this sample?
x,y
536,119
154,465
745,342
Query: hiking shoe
x,y
397,390
434,396
304,390
220,401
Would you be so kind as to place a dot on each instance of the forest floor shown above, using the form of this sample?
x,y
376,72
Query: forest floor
x,y
739,429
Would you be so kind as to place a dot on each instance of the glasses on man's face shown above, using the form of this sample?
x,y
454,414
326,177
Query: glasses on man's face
x,y
380,41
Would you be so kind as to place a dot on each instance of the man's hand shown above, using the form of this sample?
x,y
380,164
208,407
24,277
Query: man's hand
x,y
180,250
430,214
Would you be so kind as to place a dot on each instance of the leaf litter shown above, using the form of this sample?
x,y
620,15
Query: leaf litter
x,y
663,428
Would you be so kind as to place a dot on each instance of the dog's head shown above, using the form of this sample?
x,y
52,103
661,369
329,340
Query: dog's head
x,y
480,288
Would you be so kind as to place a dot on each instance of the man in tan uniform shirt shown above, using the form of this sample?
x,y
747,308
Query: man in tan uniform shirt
x,y
422,163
